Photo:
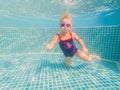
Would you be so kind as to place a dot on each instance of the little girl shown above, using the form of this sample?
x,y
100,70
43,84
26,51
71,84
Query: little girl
x,y
66,43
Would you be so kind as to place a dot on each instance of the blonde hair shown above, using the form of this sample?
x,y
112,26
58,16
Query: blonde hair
x,y
67,16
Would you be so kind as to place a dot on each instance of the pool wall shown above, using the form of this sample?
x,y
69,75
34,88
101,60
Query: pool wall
x,y
101,40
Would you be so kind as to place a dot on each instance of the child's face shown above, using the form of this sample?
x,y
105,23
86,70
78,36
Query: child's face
x,y
65,25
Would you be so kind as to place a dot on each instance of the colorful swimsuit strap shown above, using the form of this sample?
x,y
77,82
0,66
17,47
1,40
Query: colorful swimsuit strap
x,y
70,34
60,37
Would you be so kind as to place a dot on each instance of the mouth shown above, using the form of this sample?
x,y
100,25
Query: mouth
x,y
64,30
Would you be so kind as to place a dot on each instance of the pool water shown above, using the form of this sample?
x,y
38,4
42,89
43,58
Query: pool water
x,y
48,72
26,65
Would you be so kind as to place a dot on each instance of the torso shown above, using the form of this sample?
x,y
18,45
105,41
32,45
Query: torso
x,y
67,45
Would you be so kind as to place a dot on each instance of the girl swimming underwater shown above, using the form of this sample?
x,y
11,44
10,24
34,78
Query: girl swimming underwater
x,y
66,42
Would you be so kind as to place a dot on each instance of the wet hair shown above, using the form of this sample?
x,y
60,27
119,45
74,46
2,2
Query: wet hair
x,y
67,16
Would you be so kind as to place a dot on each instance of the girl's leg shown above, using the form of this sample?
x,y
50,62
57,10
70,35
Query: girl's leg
x,y
67,61
86,57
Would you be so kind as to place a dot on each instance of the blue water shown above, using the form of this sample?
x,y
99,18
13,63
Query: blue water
x,y
48,72
26,26
104,41
26,65
38,13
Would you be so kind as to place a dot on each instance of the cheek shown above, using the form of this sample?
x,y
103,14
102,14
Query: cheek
x,y
69,28
61,27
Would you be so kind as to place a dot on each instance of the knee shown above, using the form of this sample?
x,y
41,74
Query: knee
x,y
88,59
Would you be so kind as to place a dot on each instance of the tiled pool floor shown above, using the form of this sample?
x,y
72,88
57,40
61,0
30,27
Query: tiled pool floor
x,y
48,72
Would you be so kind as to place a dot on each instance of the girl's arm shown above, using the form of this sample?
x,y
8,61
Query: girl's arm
x,y
80,41
52,43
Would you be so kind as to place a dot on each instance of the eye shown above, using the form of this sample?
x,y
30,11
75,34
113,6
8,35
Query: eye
x,y
68,25
62,25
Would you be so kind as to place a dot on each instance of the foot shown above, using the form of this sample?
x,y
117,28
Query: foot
x,y
96,57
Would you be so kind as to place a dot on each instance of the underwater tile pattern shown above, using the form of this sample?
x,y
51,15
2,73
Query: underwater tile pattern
x,y
25,65
48,72
102,40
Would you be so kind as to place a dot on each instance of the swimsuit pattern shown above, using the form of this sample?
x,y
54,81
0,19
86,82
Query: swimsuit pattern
x,y
67,46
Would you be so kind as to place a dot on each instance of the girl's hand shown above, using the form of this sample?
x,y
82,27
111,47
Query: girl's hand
x,y
85,50
48,47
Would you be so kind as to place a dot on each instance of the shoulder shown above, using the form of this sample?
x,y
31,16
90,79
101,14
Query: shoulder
x,y
57,36
73,34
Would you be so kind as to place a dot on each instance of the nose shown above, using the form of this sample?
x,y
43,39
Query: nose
x,y
65,26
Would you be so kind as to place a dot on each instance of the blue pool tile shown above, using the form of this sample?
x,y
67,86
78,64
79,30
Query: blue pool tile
x,y
37,72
